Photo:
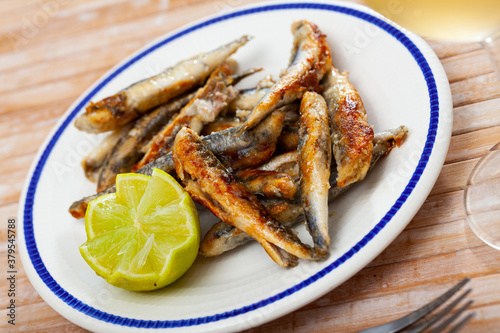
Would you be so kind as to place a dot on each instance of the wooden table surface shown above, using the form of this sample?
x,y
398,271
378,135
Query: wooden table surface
x,y
53,50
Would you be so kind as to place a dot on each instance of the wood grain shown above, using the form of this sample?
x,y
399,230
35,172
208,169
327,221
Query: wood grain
x,y
46,68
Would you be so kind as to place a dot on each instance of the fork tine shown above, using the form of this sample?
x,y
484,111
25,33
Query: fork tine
x,y
439,315
462,323
448,321
409,319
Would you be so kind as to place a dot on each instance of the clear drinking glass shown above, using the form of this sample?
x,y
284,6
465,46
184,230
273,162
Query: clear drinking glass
x,y
462,21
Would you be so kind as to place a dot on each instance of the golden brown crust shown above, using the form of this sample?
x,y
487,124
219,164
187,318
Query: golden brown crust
x,y
356,143
115,105
352,136
105,115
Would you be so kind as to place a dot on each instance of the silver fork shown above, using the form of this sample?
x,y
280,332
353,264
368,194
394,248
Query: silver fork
x,y
419,325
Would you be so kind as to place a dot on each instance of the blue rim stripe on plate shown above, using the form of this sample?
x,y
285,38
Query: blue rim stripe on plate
x,y
118,320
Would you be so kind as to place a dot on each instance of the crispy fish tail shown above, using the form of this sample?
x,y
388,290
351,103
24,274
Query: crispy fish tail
x,y
78,208
279,256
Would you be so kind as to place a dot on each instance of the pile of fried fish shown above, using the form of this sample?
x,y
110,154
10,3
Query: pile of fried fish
x,y
261,160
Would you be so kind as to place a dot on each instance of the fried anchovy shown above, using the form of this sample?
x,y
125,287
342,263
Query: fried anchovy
x,y
128,150
352,136
310,60
314,166
248,150
143,96
202,109
223,237
211,185
94,161
270,184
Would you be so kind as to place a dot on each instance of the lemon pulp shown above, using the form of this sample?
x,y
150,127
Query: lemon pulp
x,y
144,236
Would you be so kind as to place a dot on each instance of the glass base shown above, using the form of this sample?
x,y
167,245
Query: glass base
x,y
482,198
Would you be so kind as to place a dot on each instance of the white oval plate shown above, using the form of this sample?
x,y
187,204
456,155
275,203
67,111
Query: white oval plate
x,y
401,82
